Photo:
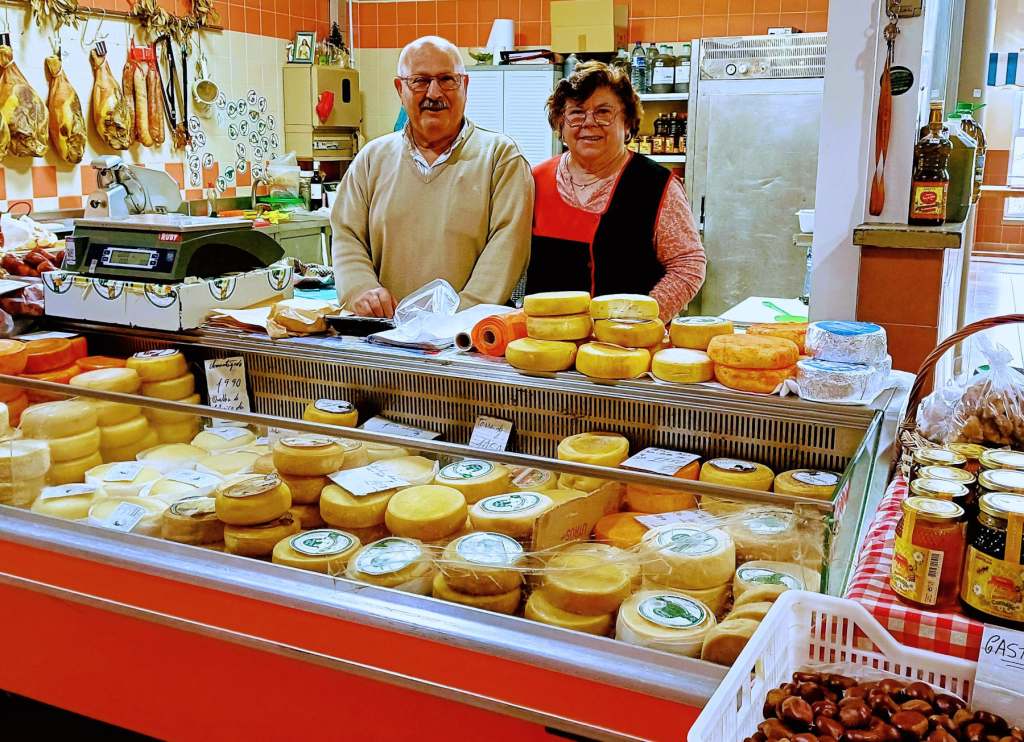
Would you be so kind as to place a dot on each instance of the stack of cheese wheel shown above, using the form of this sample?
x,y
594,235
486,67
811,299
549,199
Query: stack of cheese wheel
x,y
399,563
171,456
481,570
513,514
645,498
687,362
733,473
124,430
582,589
13,358
753,363
192,519
23,467
304,461
697,559
665,619
475,479
70,426
628,328
332,412
52,359
165,375
555,320
255,511
122,479
598,449
795,331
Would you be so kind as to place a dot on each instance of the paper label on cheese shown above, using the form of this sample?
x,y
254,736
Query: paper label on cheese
x,y
307,441
817,478
387,556
193,507
677,517
673,612
195,478
468,469
766,525
491,549
365,480
228,434
251,486
334,406
322,542
67,490
688,541
159,353
123,471
530,477
733,465
515,502
660,461
762,576
124,517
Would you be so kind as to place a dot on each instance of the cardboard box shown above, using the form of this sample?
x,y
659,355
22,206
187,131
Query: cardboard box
x,y
588,26
176,306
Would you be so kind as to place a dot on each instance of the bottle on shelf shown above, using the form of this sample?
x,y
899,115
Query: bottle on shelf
x,y
316,188
682,72
961,170
974,131
929,187
621,60
638,68
668,133
569,65
663,74
658,140
652,57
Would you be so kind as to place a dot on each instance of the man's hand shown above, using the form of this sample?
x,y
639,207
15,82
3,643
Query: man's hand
x,y
375,303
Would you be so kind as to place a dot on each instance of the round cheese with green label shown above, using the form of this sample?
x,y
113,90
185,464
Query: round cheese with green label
x,y
482,563
765,534
325,550
761,573
475,479
688,557
666,620
399,563
512,514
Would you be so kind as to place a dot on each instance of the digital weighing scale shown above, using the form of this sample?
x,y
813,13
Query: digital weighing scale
x,y
162,248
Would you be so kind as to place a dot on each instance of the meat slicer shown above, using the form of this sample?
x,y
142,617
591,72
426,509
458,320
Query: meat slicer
x,y
125,189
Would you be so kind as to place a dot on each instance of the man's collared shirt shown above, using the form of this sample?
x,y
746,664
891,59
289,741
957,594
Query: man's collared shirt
x,y
421,162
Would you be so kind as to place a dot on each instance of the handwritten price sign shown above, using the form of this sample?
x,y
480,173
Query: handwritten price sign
x,y
1000,673
225,384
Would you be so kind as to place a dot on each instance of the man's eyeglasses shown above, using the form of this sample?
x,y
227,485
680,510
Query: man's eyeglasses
x,y
421,83
603,116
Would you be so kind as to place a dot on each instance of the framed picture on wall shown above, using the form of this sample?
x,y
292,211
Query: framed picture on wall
x,y
302,49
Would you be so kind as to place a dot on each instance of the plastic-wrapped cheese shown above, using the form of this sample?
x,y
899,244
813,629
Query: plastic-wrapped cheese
x,y
308,455
715,598
807,483
248,499
158,365
627,561
604,361
506,603
67,501
666,620
181,483
22,493
482,564
528,354
579,483
756,380
762,573
475,478
529,479
399,563
628,333
192,520
737,473
223,438
682,365
754,611
229,463
426,512
689,558
331,412
71,472
624,306
130,514
512,514
325,550
769,534
259,540
585,582
561,328
621,530
599,449
760,594
553,303
171,456
847,342
540,608
696,332
58,419
724,642
753,351
832,381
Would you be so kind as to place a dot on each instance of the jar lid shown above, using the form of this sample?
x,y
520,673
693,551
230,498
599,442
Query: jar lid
x,y
930,509
1002,480
1002,459
948,473
973,451
941,488
1002,504
938,456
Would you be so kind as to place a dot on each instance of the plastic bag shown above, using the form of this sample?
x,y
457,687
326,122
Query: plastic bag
x,y
426,305
935,415
991,409
16,233
283,176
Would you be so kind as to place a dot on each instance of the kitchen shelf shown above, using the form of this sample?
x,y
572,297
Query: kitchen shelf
x,y
901,236
652,97
669,158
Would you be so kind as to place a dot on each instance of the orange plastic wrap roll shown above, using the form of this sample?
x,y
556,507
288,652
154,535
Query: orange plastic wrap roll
x,y
491,335
92,363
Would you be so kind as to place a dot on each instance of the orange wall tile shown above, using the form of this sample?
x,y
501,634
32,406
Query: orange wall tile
x,y
991,232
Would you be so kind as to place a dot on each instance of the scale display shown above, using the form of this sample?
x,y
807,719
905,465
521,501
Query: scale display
x,y
121,257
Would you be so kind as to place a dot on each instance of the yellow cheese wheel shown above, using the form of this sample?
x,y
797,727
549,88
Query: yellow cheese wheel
x,y
663,619
540,608
67,501
553,303
171,456
165,417
305,490
325,550
114,413
192,520
643,498
795,331
124,434
264,464
230,463
512,514
528,354
341,509
258,540
753,351
630,333
682,365
604,361
507,603
130,451
627,561
331,412
380,451
586,583
624,306
147,514
393,562
737,473
724,642
585,485
715,598
528,479
370,534
70,472
598,449
814,483
23,459
621,530
760,594
770,534
754,611
248,499
560,494
696,332
759,381
21,494
763,573
689,558
181,483
356,453
308,516
75,446
158,365
563,327
223,438
308,455
482,563
475,479
426,512
122,478
182,432
58,419
121,380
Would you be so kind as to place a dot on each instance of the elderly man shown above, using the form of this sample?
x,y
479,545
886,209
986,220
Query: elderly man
x,y
441,199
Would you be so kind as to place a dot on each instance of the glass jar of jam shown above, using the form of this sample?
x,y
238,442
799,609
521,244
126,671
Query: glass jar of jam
x,y
944,489
936,457
951,474
929,553
1002,459
993,581
972,452
1001,480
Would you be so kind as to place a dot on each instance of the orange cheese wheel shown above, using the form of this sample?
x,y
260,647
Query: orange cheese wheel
x,y
753,351
79,346
760,380
13,357
795,331
49,354
17,406
57,376
9,392
620,529
92,363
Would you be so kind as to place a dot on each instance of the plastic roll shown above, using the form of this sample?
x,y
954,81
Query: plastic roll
x,y
846,342
491,335
463,341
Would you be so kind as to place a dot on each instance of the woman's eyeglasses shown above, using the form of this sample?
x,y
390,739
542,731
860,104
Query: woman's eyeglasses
x,y
603,116
421,83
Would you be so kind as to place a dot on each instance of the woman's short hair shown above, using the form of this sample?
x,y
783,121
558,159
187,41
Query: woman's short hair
x,y
585,80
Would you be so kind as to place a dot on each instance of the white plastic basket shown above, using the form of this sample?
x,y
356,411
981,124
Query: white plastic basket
x,y
804,630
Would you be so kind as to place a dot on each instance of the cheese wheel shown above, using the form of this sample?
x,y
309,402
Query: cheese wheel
x,y
259,539
393,562
58,419
753,611
13,357
114,413
264,464
356,453
426,512
475,479
666,620
815,483
682,366
586,583
308,516
715,598
79,346
642,498
507,603
21,494
94,363
16,407
554,303
760,594
627,561
126,453
59,376
182,432
331,412
305,490
9,392
158,365
696,332
121,479
768,573
380,451
737,473
689,558
230,463
179,483
598,449
621,530
540,608
325,550
759,381
724,642
223,438
192,520
74,447
121,380
165,417
604,361
627,333
370,534
308,455
753,351
248,499
624,306
120,512
482,564
342,509
23,459
512,514
585,485
71,472
124,434
528,354
174,389
794,331
560,495
561,328
48,354
528,479
67,501
769,534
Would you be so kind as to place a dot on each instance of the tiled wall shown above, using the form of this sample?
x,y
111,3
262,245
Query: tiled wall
x,y
467,22
993,234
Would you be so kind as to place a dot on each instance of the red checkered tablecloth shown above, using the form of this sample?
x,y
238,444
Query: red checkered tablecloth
x,y
949,633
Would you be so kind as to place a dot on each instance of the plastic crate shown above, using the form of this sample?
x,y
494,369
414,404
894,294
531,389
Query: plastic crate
x,y
805,630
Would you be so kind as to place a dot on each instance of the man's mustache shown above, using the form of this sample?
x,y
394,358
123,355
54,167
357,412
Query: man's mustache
x,y
433,105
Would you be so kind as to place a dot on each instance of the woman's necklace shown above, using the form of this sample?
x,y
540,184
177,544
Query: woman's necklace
x,y
578,188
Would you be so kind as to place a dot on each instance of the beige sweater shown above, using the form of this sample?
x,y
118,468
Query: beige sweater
x,y
468,222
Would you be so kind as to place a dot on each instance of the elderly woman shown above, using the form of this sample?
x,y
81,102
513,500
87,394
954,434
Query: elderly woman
x,y
607,220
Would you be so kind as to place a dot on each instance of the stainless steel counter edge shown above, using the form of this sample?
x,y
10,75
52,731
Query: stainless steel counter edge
x,y
676,679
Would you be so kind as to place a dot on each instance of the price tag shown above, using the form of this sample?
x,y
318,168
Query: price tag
x,y
125,517
1000,674
381,424
225,384
124,471
660,461
490,433
67,490
228,434
366,480
195,478
676,518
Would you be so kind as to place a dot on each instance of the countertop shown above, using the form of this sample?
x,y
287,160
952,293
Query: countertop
x,y
903,236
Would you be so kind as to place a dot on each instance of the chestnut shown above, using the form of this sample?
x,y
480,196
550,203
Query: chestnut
x,y
796,713
974,731
854,715
911,724
810,692
807,677
772,700
828,727
940,734
892,686
941,721
961,717
840,682
994,724
920,691
947,704
917,704
774,729
804,737
864,735
825,708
